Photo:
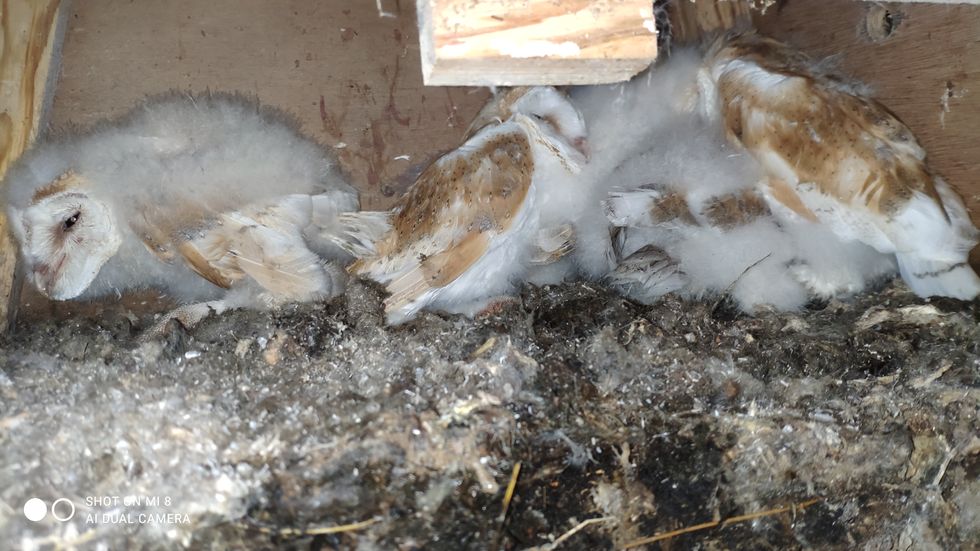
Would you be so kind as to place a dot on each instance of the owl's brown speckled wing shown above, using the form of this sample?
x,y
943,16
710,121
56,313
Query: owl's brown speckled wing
x,y
835,156
447,220
807,128
264,242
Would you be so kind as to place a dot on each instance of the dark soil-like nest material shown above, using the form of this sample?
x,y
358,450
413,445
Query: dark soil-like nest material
x,y
262,430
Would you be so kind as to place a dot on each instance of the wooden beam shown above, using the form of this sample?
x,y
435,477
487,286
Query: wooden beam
x,y
500,42
31,31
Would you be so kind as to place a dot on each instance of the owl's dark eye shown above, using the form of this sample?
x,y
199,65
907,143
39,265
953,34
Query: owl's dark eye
x,y
70,221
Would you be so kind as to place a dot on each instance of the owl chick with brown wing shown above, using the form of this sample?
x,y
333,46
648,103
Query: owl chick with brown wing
x,y
835,156
213,199
689,218
481,218
576,221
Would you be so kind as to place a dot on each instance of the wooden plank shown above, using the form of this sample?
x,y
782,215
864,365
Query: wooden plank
x,y
31,36
350,74
922,60
500,42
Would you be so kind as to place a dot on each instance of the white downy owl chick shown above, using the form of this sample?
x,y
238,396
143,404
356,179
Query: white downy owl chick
x,y
835,156
208,198
481,218
691,221
732,244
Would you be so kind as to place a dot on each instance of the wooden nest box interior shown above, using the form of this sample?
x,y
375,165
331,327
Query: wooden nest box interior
x,y
390,85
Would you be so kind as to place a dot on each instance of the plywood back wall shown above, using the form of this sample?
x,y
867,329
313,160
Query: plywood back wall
x,y
922,60
351,76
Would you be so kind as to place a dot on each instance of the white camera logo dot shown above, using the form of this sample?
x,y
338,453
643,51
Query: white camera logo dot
x,y
35,509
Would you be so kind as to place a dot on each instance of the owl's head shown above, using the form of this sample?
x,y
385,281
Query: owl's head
x,y
552,108
545,104
65,237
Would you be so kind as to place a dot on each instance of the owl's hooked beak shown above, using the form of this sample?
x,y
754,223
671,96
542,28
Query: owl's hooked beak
x,y
45,276
43,279
582,145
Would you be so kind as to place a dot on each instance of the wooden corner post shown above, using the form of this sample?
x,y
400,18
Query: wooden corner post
x,y
31,37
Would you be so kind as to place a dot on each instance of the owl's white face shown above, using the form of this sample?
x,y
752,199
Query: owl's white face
x,y
551,107
65,239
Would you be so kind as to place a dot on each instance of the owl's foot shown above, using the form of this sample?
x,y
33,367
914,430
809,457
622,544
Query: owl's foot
x,y
188,316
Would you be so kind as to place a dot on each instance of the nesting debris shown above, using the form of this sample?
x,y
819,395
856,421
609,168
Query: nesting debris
x,y
316,427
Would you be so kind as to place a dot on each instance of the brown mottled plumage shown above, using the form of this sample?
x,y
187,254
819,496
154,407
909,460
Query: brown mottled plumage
x,y
707,227
736,209
838,157
475,220
668,206
671,207
478,195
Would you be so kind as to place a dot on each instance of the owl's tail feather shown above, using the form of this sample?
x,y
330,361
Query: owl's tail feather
x,y
649,206
358,232
632,207
647,274
928,278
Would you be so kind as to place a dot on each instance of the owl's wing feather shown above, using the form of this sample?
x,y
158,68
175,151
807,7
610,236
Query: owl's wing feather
x,y
837,157
446,222
436,271
281,264
157,240
647,206
264,242
217,273
552,244
807,131
647,274
357,232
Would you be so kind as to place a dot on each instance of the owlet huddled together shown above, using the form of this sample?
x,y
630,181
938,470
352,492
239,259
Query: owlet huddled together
x,y
743,168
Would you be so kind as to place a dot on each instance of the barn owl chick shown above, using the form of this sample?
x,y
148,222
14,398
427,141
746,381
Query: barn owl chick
x,y
481,218
574,212
209,198
836,157
690,218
